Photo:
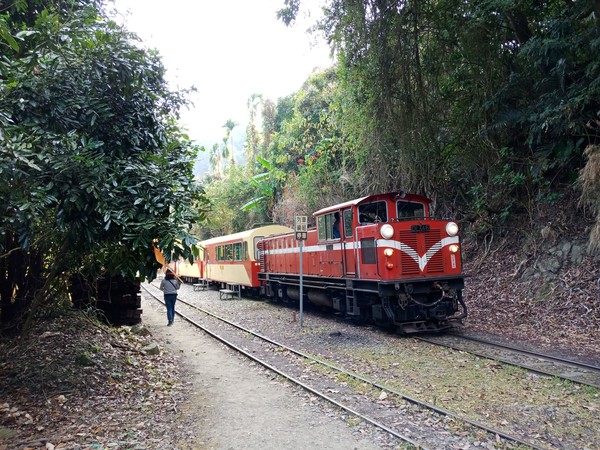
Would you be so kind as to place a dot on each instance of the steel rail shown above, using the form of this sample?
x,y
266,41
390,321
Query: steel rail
x,y
542,356
530,352
291,378
375,384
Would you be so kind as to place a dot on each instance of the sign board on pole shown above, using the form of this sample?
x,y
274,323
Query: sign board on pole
x,y
301,235
301,228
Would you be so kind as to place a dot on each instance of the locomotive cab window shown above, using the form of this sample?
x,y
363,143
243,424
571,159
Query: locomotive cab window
x,y
372,212
329,226
410,210
348,223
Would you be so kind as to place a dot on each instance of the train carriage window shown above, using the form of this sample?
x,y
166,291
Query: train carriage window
x,y
410,210
348,223
245,251
237,251
373,212
228,252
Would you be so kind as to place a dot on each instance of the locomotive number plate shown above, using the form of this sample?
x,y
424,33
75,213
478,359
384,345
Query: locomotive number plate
x,y
419,228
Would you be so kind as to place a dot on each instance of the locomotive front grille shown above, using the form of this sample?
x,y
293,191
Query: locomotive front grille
x,y
432,241
409,265
427,241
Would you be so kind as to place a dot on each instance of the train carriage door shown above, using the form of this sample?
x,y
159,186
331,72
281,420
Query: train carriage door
x,y
256,255
331,261
202,261
370,215
348,244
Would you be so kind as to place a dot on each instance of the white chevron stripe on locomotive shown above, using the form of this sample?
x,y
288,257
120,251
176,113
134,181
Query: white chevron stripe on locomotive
x,y
420,260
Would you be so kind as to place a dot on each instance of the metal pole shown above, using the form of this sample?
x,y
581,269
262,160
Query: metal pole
x,y
301,295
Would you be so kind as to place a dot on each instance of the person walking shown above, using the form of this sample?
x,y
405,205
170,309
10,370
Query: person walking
x,y
170,285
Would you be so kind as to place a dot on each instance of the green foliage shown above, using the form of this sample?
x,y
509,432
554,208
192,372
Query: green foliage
x,y
93,166
310,147
299,149
288,13
228,195
434,91
486,107
266,183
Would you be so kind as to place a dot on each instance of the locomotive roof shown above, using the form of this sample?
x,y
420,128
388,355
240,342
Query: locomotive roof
x,y
267,230
371,198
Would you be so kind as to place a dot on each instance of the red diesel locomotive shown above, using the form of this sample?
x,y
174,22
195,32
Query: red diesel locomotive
x,y
379,258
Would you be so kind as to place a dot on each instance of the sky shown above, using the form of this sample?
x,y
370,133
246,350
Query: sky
x,y
228,50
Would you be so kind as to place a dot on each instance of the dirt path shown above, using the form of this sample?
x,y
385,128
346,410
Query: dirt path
x,y
238,405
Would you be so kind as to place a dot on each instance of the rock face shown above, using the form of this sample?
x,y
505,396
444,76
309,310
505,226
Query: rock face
x,y
555,257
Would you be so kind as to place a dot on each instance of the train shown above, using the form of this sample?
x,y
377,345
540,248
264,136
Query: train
x,y
380,259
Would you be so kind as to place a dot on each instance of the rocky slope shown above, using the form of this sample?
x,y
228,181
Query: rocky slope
x,y
536,281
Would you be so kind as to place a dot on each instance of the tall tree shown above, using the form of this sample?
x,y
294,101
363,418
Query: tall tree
x,y
252,132
216,161
268,124
228,150
93,166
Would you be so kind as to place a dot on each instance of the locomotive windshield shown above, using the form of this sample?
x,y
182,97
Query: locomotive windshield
x,y
372,212
410,210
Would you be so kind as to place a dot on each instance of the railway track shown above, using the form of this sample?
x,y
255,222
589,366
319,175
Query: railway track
x,y
554,366
307,372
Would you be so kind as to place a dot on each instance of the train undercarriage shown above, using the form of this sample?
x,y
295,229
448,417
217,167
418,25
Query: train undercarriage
x,y
410,306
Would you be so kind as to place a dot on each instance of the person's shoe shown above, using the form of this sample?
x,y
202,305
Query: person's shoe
x,y
170,324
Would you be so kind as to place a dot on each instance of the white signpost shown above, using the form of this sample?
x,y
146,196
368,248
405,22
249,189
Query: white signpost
x,y
301,235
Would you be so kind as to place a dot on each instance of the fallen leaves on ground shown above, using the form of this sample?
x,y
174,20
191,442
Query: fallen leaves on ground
x,y
74,383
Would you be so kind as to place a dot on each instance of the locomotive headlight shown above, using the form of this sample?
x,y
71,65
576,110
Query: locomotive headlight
x,y
453,248
387,231
452,229
388,252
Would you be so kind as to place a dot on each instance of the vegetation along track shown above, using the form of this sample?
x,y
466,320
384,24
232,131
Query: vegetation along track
x,y
407,421
575,371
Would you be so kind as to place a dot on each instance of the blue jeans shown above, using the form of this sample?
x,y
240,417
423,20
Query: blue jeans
x,y
170,300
